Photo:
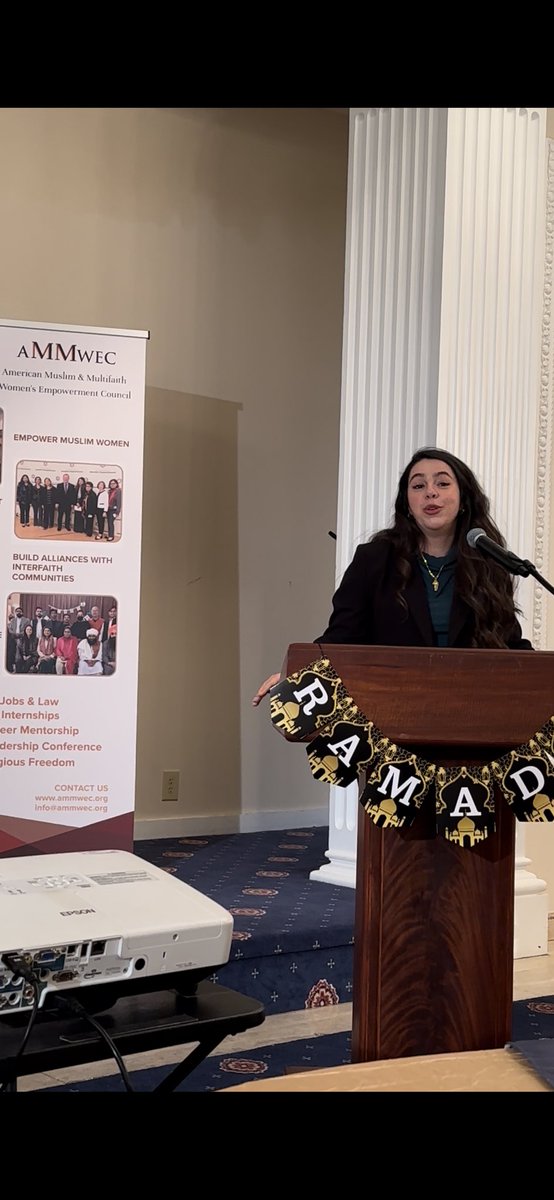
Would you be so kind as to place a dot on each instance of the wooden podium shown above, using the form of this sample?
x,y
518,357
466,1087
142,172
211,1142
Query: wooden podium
x,y
434,922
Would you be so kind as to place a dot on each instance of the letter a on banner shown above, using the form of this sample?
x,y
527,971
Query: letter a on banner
x,y
338,755
71,455
464,800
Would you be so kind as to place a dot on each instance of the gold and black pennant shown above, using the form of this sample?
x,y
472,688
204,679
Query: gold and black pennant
x,y
464,800
308,701
313,704
543,740
338,755
526,776
398,782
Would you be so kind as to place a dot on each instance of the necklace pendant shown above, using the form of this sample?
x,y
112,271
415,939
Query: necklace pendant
x,y
435,585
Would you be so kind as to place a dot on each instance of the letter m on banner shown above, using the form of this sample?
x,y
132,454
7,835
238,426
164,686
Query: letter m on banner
x,y
395,789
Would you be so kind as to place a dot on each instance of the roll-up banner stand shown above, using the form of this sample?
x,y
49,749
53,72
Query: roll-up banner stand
x,y
71,461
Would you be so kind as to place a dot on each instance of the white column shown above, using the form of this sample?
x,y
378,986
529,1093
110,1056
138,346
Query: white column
x,y
391,343
531,915
490,359
443,300
545,496
343,823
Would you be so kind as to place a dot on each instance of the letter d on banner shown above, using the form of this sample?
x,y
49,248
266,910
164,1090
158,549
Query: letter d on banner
x,y
527,782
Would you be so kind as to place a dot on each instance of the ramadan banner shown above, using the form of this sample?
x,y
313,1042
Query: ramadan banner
x,y
71,453
313,704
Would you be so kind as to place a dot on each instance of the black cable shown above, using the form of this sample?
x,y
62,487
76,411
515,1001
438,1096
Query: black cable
x,y
17,964
80,1011
20,969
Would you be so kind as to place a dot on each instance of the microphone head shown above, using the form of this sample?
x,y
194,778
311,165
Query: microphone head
x,y
473,537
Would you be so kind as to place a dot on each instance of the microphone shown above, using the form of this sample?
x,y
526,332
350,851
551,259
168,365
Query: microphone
x,y
478,540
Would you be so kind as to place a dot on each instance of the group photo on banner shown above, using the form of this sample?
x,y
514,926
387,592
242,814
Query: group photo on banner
x,y
72,636
72,405
57,499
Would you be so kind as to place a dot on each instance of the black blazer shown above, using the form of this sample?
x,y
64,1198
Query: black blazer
x,y
89,504
64,499
367,612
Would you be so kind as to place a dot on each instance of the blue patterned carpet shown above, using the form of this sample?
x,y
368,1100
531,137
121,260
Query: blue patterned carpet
x,y
532,1032
293,938
226,1070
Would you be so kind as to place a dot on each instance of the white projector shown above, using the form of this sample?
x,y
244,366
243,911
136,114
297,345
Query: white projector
x,y
103,917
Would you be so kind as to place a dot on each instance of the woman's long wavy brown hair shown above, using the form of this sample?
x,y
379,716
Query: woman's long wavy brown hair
x,y
482,584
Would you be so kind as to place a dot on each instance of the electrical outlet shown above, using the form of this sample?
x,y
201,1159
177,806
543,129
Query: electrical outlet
x,y
170,785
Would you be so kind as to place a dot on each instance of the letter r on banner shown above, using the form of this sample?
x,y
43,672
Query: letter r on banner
x,y
318,696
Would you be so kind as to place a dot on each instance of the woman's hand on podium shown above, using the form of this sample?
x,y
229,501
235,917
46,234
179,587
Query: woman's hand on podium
x,y
265,687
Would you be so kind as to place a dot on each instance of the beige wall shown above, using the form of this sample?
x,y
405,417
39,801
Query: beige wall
x,y
222,232
188,715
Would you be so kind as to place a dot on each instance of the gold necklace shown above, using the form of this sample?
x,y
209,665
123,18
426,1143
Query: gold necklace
x,y
435,578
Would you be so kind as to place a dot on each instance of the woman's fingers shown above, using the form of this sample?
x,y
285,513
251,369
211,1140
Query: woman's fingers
x,y
265,687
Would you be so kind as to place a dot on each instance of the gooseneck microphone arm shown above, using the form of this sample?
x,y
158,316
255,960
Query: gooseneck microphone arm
x,y
531,570
478,540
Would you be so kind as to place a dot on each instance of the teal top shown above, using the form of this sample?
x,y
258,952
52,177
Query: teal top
x,y
440,601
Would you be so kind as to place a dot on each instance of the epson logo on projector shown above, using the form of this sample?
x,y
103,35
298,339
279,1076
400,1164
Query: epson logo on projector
x,y
77,912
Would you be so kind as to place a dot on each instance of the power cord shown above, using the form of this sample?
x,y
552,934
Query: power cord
x,y
80,1011
21,970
